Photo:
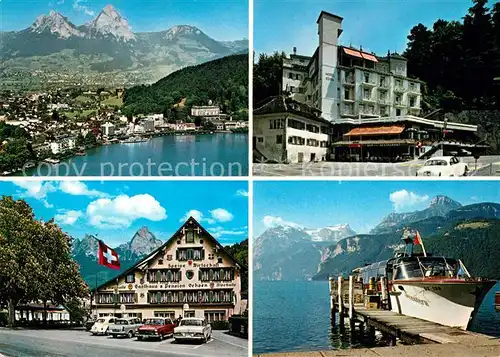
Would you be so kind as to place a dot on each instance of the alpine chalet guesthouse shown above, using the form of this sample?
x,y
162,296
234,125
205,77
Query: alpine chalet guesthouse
x,y
191,275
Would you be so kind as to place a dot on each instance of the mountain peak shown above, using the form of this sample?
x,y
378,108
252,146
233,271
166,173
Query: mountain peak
x,y
143,242
109,22
444,201
56,24
182,30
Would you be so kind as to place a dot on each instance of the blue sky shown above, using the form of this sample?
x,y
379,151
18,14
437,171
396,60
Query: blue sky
x,y
220,19
376,25
362,204
115,210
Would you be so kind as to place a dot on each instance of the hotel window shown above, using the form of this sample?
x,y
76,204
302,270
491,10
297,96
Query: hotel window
x,y
290,75
190,236
412,102
367,77
160,261
212,316
219,260
167,314
130,278
189,313
382,81
260,139
279,139
347,94
366,93
292,89
127,298
398,99
398,83
190,254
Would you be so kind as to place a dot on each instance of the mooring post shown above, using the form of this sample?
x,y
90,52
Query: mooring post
x,y
333,309
351,297
385,296
340,301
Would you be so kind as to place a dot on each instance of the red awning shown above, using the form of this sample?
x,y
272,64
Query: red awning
x,y
354,146
352,53
369,57
378,130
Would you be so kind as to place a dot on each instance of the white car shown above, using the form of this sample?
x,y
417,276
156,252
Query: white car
x,y
193,328
101,326
443,166
125,327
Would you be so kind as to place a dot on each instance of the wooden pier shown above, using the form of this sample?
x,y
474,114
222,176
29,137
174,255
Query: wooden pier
x,y
405,335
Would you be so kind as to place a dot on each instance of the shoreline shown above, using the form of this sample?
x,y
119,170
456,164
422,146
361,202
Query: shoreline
x,y
21,172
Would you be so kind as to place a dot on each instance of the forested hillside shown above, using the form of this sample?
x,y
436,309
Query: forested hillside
x,y
223,81
458,60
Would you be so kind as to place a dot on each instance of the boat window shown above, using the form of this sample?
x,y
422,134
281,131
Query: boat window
x,y
408,270
440,267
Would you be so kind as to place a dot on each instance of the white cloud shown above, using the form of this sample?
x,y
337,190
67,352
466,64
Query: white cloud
x,y
220,231
77,5
243,193
123,210
221,215
36,189
68,217
78,188
403,199
198,215
273,221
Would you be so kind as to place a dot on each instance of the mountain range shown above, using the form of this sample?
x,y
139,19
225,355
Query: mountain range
x,y
85,252
447,227
53,44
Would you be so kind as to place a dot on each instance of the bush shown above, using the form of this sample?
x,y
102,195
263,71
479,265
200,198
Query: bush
x,y
220,325
4,318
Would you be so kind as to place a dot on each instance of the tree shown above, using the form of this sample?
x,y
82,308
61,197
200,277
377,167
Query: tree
x,y
55,116
80,140
35,259
267,77
90,139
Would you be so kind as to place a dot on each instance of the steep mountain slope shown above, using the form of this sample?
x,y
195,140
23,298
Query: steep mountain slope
x,y
438,207
436,231
85,253
292,253
55,46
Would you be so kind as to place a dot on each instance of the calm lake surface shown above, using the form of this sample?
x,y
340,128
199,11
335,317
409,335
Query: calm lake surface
x,y
217,154
295,316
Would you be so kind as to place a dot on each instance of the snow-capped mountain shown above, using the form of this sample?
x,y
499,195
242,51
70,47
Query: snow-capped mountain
x,y
291,252
107,44
142,243
56,24
109,23
330,233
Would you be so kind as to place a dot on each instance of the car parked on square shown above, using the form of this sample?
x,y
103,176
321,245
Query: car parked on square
x,y
193,328
125,327
157,328
443,166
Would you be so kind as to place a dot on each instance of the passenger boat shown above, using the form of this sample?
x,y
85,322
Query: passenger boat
x,y
134,139
432,288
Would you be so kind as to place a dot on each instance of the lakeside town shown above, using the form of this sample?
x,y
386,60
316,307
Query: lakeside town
x,y
53,125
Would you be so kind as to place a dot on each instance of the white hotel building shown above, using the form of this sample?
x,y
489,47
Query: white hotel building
x,y
373,108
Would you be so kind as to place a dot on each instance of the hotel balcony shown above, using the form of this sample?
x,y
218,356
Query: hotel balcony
x,y
399,89
369,84
347,112
384,85
384,101
413,90
348,100
368,99
348,81
400,105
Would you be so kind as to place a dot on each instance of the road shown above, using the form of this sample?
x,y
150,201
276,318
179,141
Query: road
x,y
486,166
78,343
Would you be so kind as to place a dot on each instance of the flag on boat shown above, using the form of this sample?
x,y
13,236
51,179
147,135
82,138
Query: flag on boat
x,y
108,256
417,239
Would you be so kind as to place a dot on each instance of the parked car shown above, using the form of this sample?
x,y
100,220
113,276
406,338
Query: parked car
x,y
193,328
157,327
125,327
101,326
443,166
89,323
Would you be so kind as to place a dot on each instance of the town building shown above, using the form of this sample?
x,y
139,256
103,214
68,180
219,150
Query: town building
x,y
62,144
108,129
373,108
149,125
207,111
287,131
191,275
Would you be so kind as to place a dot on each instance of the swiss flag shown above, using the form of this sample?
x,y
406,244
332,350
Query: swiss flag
x,y
417,239
108,256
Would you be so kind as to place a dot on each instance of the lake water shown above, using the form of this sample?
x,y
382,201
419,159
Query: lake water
x,y
219,154
295,316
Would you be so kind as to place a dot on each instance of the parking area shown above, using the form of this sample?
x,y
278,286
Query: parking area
x,y
485,166
53,343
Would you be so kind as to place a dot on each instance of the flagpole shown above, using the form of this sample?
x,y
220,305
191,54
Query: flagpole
x,y
421,243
